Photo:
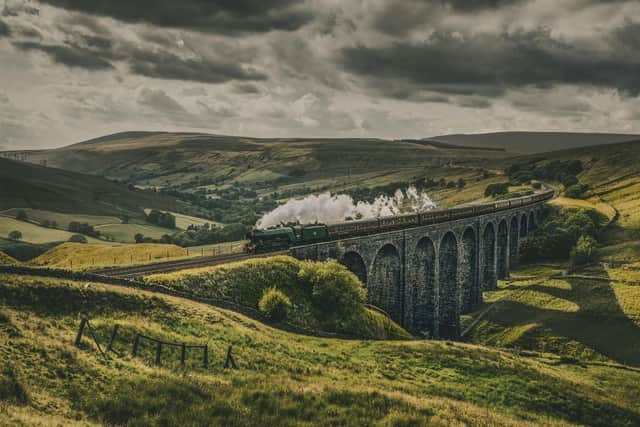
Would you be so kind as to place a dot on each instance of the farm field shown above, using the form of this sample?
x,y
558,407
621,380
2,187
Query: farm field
x,y
124,233
62,219
35,234
281,377
78,256
184,221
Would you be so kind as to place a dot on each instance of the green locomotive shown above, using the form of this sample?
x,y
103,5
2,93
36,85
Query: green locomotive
x,y
272,239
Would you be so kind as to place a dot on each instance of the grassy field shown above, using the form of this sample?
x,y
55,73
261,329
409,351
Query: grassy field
x,y
582,319
79,256
184,221
283,379
6,259
125,233
62,219
33,233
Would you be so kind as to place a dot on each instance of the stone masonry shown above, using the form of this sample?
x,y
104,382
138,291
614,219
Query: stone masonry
x,y
426,277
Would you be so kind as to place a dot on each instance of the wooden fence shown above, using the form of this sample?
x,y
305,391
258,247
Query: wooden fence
x,y
157,343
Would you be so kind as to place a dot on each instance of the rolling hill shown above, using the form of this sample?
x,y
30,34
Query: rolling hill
x,y
26,185
533,142
283,378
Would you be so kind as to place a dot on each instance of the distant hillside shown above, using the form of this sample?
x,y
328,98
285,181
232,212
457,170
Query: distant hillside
x,y
533,142
26,185
192,160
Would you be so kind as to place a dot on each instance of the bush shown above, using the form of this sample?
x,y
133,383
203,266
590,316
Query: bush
x,y
162,219
83,228
15,235
576,191
274,305
337,297
496,189
569,180
536,185
78,238
584,251
21,215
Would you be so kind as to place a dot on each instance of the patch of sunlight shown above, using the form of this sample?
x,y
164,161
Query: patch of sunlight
x,y
541,299
511,335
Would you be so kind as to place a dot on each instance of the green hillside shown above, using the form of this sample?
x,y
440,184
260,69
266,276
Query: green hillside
x,y
26,185
283,379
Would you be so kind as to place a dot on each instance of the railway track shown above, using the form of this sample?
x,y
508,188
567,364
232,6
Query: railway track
x,y
182,264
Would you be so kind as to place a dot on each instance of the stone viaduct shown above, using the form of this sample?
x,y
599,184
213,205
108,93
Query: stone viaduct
x,y
426,277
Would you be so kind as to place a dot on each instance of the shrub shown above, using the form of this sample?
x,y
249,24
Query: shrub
x,y
569,180
162,219
584,251
496,189
84,228
337,296
274,305
21,215
15,235
536,185
576,191
78,238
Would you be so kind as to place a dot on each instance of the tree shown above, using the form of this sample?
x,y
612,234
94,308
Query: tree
x,y
21,215
78,238
15,235
461,183
496,189
584,251
139,238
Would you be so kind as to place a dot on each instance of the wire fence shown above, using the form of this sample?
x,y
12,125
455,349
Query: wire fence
x,y
144,346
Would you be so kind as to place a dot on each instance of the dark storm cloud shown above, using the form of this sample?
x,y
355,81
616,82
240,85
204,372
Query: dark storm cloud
x,y
486,63
71,56
4,29
212,16
169,66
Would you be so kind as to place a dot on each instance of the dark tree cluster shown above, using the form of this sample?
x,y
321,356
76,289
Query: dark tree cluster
x,y
162,219
496,189
83,228
557,171
197,236
560,232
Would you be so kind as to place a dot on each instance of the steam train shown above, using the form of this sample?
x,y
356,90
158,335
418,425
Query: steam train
x,y
284,237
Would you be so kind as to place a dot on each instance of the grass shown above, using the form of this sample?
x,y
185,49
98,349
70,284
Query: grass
x,y
79,256
218,248
124,233
32,233
245,282
63,220
582,319
6,259
566,202
184,221
283,379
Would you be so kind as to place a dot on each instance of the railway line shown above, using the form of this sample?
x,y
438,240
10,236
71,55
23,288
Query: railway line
x,y
278,246
183,264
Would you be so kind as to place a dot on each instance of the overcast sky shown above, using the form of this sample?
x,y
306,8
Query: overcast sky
x,y
76,69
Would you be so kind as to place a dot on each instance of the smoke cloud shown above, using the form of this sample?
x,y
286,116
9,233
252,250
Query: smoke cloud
x,y
332,208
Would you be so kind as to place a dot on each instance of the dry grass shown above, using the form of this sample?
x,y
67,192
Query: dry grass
x,y
6,259
80,256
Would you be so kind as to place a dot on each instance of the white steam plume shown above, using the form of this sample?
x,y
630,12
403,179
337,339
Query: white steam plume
x,y
329,208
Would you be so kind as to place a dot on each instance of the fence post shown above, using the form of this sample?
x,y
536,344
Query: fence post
x,y
230,362
83,323
136,342
183,354
158,352
113,337
205,361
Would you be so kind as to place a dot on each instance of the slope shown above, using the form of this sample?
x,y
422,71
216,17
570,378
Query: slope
x,y
283,379
533,142
26,185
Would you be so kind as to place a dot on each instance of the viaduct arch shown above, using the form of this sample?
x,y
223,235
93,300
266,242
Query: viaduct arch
x,y
426,277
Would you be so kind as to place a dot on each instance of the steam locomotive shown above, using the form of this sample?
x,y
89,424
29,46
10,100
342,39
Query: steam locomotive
x,y
271,239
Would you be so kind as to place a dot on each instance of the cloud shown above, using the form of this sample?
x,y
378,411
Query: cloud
x,y
488,63
71,56
159,101
4,29
209,16
166,65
